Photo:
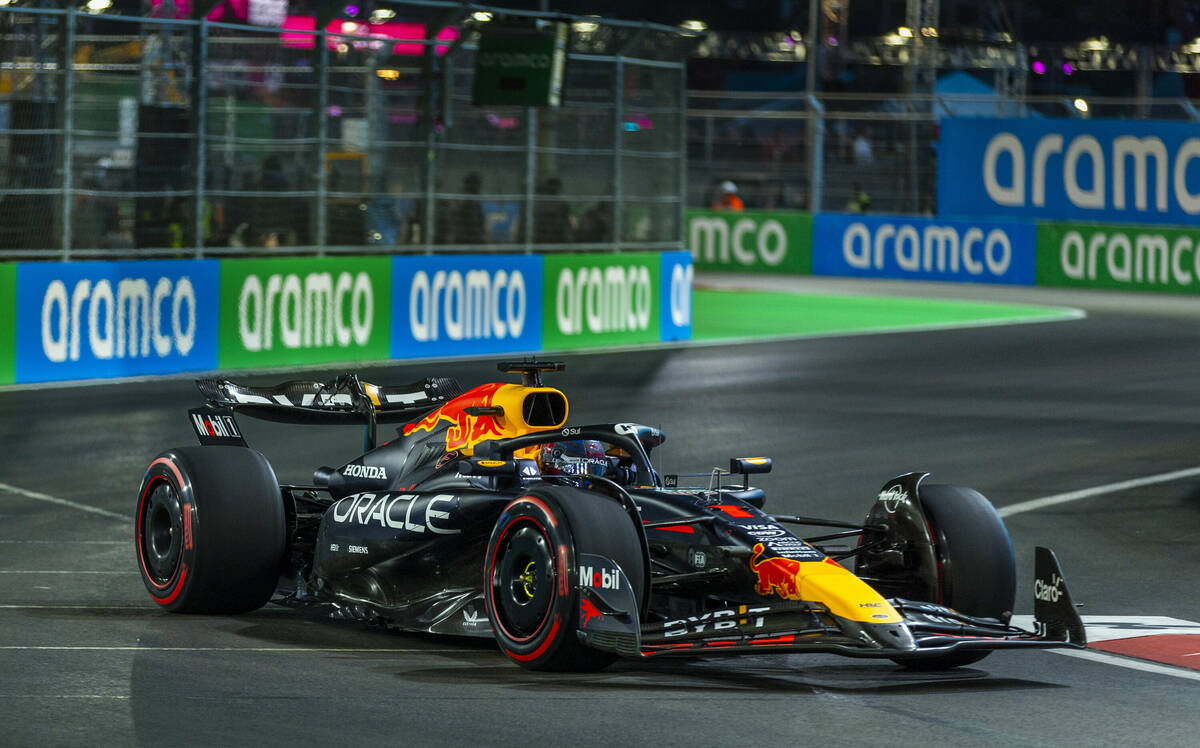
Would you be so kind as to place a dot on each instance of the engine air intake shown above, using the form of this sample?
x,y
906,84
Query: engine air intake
x,y
544,409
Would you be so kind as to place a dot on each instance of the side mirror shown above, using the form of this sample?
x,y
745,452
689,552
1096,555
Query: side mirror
x,y
749,465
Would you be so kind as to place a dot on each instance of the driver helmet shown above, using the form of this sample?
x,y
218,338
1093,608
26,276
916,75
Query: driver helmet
x,y
580,457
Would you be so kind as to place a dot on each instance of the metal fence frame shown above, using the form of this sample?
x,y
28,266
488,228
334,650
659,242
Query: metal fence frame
x,y
623,56
824,178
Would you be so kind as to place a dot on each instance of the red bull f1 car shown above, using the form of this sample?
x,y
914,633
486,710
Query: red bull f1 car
x,y
490,514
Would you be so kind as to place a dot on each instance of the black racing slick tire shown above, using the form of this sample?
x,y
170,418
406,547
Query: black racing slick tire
x,y
210,530
530,570
976,568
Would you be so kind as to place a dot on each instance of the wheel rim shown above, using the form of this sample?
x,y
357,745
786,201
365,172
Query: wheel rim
x,y
523,580
162,532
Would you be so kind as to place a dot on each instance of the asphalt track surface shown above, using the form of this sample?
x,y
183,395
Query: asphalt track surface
x,y
1018,412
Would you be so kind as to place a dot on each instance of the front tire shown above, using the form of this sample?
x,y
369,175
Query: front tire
x,y
530,589
976,571
209,530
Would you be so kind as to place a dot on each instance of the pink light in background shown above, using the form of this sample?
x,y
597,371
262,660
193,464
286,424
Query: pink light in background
x,y
299,23
230,11
363,34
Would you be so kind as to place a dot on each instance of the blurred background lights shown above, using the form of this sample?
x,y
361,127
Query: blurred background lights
x,y
1067,69
481,16
1081,105
586,27
1039,67
96,6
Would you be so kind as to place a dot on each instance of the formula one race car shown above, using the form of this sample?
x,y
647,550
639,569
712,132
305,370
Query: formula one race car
x,y
490,515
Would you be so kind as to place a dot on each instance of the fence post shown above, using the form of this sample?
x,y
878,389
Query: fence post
x,y
320,234
681,229
816,153
66,60
199,130
429,120
816,113
618,218
531,165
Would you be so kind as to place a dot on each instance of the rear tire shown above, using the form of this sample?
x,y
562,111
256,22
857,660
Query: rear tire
x,y
976,569
209,530
530,571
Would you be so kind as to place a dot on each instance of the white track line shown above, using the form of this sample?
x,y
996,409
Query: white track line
x,y
61,571
1087,493
1132,664
285,650
64,542
62,502
8,606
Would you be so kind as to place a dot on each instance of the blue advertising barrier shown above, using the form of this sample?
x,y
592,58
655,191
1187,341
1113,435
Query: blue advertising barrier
x,y
110,319
466,304
923,249
675,319
1120,171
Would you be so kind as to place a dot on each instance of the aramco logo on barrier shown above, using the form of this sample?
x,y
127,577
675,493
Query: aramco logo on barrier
x,y
1166,258
681,295
603,299
467,306
134,320
714,240
927,248
1024,182
320,311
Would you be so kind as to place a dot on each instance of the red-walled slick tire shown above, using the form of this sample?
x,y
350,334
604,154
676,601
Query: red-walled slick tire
x,y
209,530
529,574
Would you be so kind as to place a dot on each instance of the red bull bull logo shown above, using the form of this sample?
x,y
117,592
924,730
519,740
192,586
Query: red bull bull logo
x,y
588,611
776,575
465,430
505,416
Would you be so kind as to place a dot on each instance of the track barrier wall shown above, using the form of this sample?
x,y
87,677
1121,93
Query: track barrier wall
x,y
753,241
1084,203
1124,257
98,319
8,321
112,319
1118,171
280,312
923,249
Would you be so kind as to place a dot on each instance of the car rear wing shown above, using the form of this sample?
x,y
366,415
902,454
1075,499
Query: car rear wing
x,y
345,400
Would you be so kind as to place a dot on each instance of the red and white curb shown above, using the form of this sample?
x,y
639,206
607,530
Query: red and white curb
x,y
1156,644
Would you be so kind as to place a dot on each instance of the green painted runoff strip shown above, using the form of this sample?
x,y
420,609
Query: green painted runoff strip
x,y
720,314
